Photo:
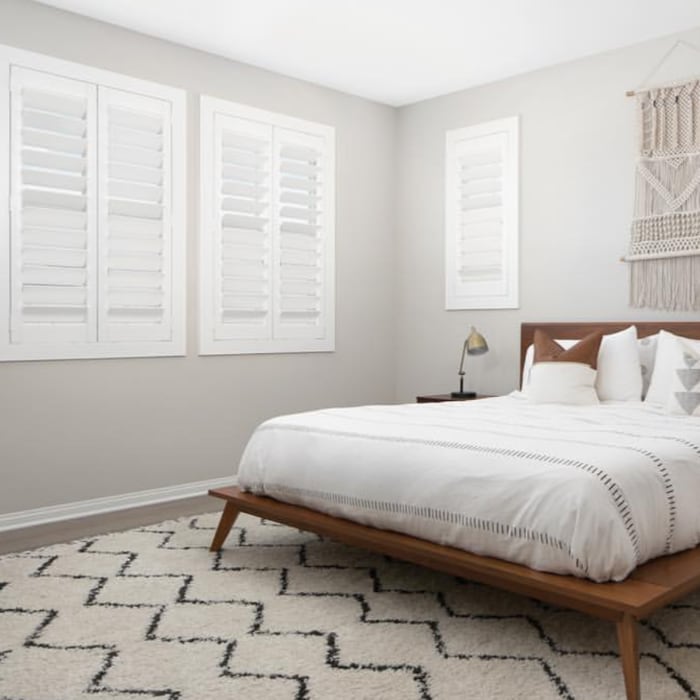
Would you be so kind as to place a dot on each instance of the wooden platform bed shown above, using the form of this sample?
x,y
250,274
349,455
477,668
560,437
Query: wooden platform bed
x,y
650,587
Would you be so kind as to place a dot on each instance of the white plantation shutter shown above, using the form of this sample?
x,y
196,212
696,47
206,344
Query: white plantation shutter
x,y
53,224
242,229
266,232
135,217
92,254
481,216
301,179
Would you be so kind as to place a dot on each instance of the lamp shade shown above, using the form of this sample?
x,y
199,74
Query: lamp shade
x,y
476,343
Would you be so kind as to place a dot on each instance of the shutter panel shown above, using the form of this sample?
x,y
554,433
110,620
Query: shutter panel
x,y
300,245
482,216
53,214
241,229
135,232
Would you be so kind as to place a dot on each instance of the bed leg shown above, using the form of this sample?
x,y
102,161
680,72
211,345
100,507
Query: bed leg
x,y
228,517
629,655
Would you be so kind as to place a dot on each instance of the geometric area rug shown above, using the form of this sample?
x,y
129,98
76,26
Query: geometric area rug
x,y
283,614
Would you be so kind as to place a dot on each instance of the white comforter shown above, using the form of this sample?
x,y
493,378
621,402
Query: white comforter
x,y
591,491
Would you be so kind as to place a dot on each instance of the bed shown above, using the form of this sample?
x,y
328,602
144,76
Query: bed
x,y
644,588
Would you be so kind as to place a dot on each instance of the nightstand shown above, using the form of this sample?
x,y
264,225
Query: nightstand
x,y
438,398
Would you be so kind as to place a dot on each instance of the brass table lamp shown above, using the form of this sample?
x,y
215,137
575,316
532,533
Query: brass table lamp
x,y
475,344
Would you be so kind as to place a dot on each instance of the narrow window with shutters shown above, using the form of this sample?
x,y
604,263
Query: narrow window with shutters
x,y
481,216
92,262
267,232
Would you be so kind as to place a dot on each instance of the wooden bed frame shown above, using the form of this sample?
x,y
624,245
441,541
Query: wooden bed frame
x,y
650,587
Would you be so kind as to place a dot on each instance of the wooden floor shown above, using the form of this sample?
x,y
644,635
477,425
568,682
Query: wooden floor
x,y
67,530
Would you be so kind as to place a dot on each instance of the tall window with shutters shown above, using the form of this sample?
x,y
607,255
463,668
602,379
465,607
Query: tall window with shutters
x,y
267,232
481,216
92,257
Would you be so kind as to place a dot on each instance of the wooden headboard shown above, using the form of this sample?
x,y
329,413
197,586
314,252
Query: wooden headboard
x,y
578,329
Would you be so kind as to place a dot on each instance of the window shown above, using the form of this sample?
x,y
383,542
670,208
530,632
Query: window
x,y
92,250
267,232
481,216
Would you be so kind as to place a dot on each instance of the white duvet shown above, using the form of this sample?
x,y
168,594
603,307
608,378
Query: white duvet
x,y
592,491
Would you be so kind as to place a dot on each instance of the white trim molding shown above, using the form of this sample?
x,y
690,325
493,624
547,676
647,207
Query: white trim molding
x,y
109,504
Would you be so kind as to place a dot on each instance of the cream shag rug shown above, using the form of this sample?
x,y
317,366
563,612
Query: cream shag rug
x,y
150,613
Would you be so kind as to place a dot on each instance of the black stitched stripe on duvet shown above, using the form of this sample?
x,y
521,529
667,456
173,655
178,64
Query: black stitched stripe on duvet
x,y
431,513
616,493
656,460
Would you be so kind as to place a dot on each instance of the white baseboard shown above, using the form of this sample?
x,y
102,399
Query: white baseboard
x,y
95,506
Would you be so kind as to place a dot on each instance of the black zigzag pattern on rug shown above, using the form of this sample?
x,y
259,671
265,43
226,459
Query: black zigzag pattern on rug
x,y
289,558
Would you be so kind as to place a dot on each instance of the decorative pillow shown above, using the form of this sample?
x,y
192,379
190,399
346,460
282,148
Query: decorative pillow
x,y
569,383
665,366
530,358
619,370
564,375
647,356
684,397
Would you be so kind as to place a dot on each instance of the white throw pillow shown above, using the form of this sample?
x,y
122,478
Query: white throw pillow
x,y
562,382
647,356
684,394
664,366
619,369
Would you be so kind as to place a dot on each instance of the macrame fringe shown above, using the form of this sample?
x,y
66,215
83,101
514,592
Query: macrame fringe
x,y
668,284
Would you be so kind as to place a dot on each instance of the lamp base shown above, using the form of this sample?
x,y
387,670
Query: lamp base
x,y
463,394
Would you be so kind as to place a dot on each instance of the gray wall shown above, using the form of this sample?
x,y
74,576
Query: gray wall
x,y
576,194
75,430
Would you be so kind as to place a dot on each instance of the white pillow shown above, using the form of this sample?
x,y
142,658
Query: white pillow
x,y
647,356
664,366
619,370
530,359
569,383
684,394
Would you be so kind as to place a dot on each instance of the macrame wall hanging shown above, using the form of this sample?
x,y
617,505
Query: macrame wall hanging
x,y
664,251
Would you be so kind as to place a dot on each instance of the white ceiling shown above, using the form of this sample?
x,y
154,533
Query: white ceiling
x,y
398,51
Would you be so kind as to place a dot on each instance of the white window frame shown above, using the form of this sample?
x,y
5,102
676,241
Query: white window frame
x,y
208,345
482,295
176,345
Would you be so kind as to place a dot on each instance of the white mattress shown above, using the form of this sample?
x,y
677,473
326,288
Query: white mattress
x,y
592,491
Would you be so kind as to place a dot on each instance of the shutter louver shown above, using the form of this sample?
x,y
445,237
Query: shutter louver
x,y
481,216
53,220
242,246
135,251
299,240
